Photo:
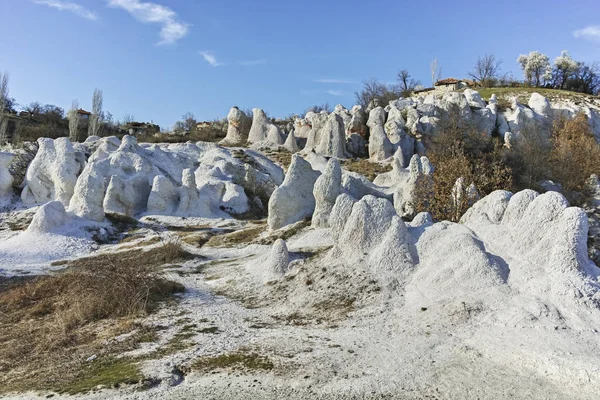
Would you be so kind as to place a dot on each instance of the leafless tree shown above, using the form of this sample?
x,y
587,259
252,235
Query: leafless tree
x,y
96,117
434,69
3,102
406,83
128,118
73,118
486,70
375,91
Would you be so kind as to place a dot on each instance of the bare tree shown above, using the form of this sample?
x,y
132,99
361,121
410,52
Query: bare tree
x,y
486,70
96,117
406,83
434,68
376,92
128,118
73,118
3,104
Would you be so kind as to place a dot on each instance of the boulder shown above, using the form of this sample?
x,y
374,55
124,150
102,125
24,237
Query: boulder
x,y
357,122
540,105
380,147
262,131
164,196
376,117
278,260
48,218
293,200
356,145
237,121
291,144
474,99
332,138
53,173
6,179
327,189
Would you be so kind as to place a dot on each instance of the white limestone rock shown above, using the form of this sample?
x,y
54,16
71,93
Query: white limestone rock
x,y
376,117
540,105
126,196
380,147
317,122
332,138
53,173
357,122
236,120
485,120
48,217
356,145
279,260
164,196
340,212
6,179
327,189
474,99
291,144
370,219
293,200
458,100
262,132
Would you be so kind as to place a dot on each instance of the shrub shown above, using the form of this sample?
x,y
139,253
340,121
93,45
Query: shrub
x,y
459,150
575,154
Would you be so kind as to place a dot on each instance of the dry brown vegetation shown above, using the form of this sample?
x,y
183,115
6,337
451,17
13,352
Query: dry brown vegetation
x,y
366,168
460,150
568,156
575,154
51,324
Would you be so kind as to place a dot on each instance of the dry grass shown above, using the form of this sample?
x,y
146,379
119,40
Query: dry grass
x,y
240,360
282,158
51,324
235,238
366,168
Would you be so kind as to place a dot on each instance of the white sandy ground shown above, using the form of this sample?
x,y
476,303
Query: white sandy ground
x,y
507,345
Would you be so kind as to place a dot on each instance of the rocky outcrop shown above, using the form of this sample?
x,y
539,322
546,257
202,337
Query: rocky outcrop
x,y
164,196
380,147
262,132
48,217
278,260
53,173
237,122
327,189
6,179
291,144
293,200
332,138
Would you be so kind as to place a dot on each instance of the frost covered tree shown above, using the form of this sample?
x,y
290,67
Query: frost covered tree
x,y
3,102
73,118
96,117
564,68
534,66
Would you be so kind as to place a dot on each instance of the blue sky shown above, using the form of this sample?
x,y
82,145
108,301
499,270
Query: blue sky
x,y
158,60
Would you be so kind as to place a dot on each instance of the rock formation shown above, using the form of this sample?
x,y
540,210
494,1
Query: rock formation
x,y
6,179
48,217
326,190
293,200
262,132
237,122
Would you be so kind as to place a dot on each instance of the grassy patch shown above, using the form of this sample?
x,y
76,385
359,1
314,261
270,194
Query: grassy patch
x,y
210,329
236,361
237,237
108,373
285,233
366,168
51,324
523,93
282,158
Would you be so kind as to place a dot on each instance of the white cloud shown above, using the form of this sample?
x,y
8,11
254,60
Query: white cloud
x,y
335,92
210,58
591,32
68,6
252,62
341,81
172,29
